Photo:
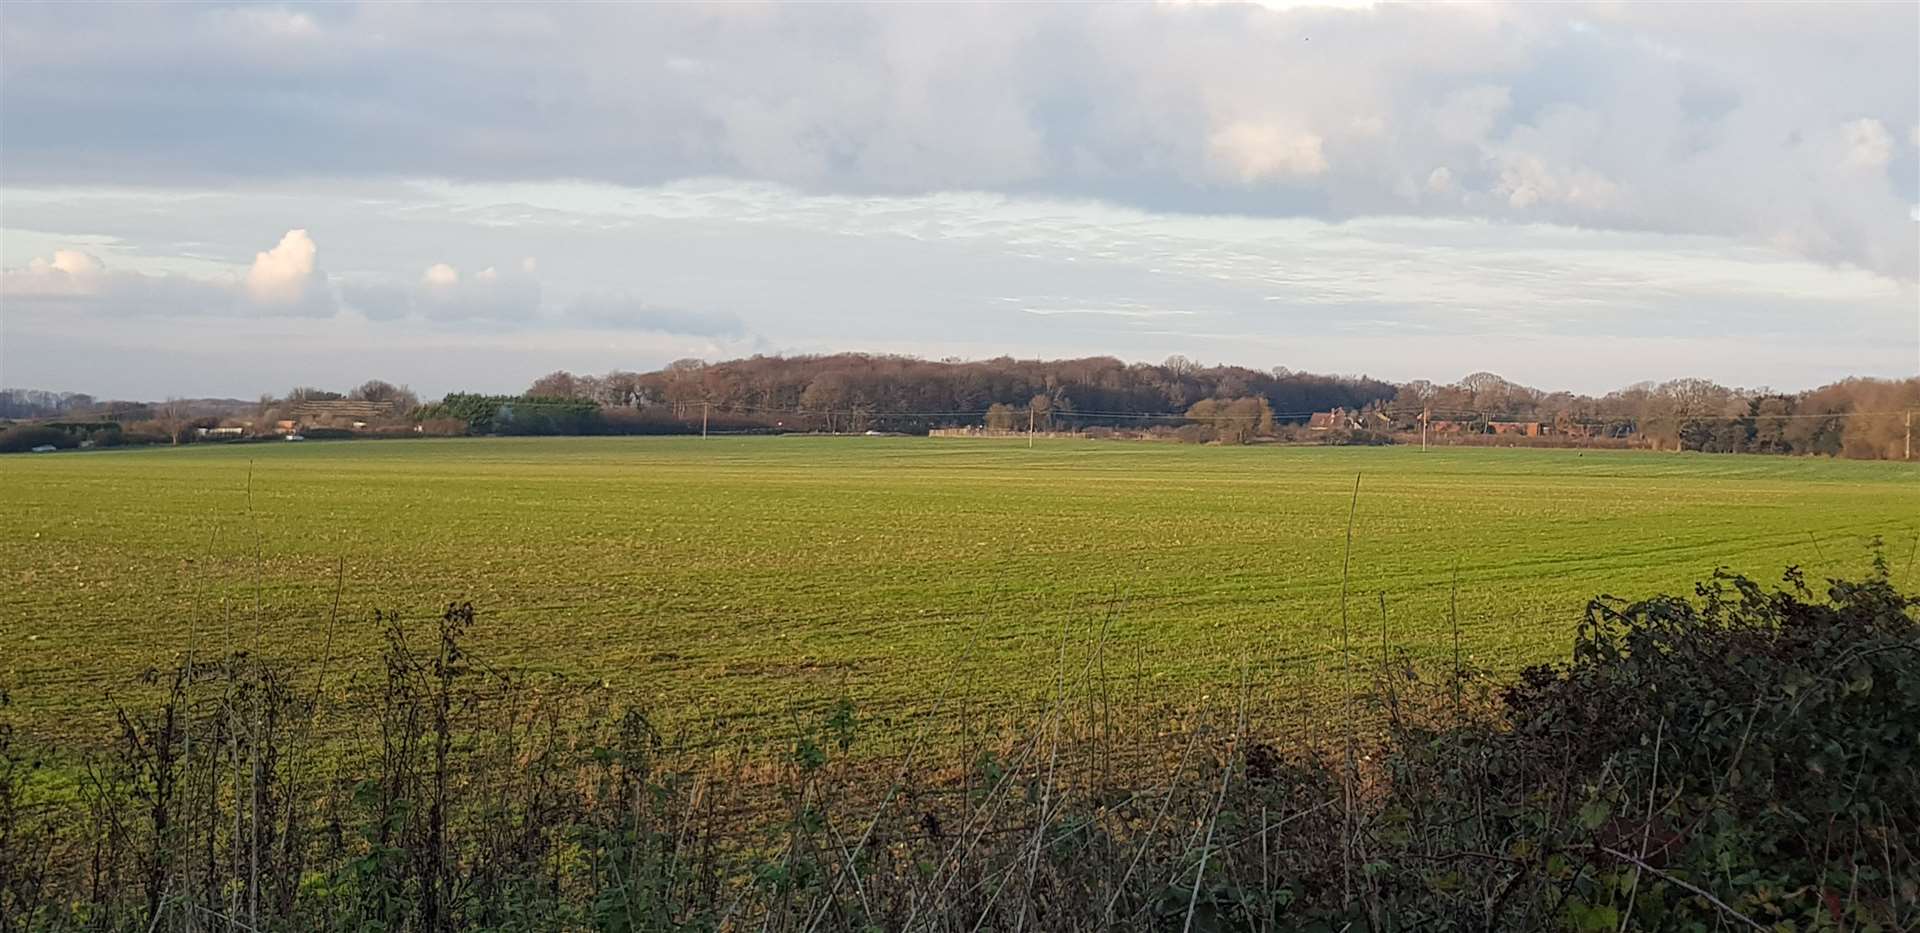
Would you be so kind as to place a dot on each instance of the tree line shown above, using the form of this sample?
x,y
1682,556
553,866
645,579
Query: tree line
x,y
67,419
862,391
1857,418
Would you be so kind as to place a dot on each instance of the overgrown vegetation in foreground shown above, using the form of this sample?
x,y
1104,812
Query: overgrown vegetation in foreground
x,y
1747,758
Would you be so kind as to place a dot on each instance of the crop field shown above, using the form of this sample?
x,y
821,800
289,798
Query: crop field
x,y
746,578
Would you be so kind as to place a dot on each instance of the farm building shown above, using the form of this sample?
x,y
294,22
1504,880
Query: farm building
x,y
1337,419
1525,428
340,413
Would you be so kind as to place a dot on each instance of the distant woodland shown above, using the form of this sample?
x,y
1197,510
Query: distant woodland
x,y
1177,399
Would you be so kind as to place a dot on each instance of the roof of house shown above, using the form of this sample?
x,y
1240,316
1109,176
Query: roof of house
x,y
342,408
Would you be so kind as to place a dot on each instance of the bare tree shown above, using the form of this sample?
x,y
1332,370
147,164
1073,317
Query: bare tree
x,y
399,398
556,384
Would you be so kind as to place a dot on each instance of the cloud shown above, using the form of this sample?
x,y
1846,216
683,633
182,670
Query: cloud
x,y
74,283
286,276
1468,116
625,312
1869,145
376,299
75,265
283,280
1258,151
444,294
633,277
1527,181
440,275
70,273
1619,116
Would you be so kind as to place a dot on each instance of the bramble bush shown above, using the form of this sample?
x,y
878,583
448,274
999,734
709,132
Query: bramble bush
x,y
1748,757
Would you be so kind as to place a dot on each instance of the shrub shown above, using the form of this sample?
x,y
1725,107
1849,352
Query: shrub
x,y
1748,753
1195,434
1745,758
1355,437
22,437
516,414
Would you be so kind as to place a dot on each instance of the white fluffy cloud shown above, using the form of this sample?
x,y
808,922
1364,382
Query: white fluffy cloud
x,y
284,280
286,275
75,265
440,275
70,273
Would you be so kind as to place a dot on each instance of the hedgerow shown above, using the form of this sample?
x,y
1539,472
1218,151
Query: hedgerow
x,y
1742,758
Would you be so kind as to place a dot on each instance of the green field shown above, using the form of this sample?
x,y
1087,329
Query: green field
x,y
749,577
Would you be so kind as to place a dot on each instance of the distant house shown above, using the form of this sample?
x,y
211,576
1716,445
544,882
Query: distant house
x,y
1337,419
1447,426
1522,428
286,426
225,430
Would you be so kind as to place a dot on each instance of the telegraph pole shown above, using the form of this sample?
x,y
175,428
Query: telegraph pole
x,y
1029,427
1426,414
703,419
1909,441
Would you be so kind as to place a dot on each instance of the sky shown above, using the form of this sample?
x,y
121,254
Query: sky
x,y
225,200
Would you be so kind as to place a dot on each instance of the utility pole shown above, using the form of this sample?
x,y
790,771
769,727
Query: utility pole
x,y
703,419
1029,427
1426,414
1909,440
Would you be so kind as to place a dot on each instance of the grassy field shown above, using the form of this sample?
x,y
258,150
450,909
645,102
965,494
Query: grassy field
x,y
746,578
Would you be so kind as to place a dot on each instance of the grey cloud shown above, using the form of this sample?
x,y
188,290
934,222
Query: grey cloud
x,y
74,283
624,312
1634,117
379,301
445,293
956,273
